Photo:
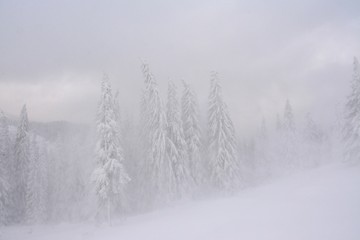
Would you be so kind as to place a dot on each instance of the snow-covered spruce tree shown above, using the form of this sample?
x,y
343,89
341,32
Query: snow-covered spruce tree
x,y
110,176
33,184
158,174
224,168
117,110
176,147
351,129
192,134
312,131
263,129
22,158
36,188
42,178
279,124
119,117
289,139
5,171
313,143
262,164
288,123
275,146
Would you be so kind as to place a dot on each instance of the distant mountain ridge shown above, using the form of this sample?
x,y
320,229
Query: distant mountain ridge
x,y
52,131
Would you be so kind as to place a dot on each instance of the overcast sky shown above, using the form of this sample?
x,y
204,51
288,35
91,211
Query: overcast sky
x,y
53,54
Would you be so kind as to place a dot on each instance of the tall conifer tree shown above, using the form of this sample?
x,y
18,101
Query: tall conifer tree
x,y
159,177
224,168
110,176
192,134
351,130
176,147
22,158
5,170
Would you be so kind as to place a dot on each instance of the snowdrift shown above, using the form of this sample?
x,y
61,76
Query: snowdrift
x,y
319,204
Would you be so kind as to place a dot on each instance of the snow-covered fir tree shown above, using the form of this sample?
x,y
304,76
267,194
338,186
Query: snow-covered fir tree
x,y
117,110
43,182
278,125
263,129
313,143
192,134
288,121
5,171
22,158
289,142
33,186
158,174
262,164
119,118
312,131
351,130
224,168
176,147
110,177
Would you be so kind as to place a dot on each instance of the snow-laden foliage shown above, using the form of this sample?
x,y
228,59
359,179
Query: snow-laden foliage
x,y
5,170
49,178
159,175
117,111
288,121
176,147
278,123
192,134
32,187
351,130
22,158
110,177
224,167
288,148
314,141
36,185
257,155
264,129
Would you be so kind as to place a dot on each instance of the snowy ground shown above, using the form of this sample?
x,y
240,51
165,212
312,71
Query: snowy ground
x,y
321,204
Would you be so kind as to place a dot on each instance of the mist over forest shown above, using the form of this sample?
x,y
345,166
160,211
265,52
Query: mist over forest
x,y
192,120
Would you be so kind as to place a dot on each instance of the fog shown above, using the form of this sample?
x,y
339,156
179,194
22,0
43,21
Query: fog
x,y
115,109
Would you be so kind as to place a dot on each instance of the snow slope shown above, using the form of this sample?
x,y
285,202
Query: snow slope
x,y
320,204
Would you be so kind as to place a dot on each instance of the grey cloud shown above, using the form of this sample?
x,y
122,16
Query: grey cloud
x,y
265,51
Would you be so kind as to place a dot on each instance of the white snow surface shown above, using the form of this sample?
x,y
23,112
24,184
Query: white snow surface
x,y
318,204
